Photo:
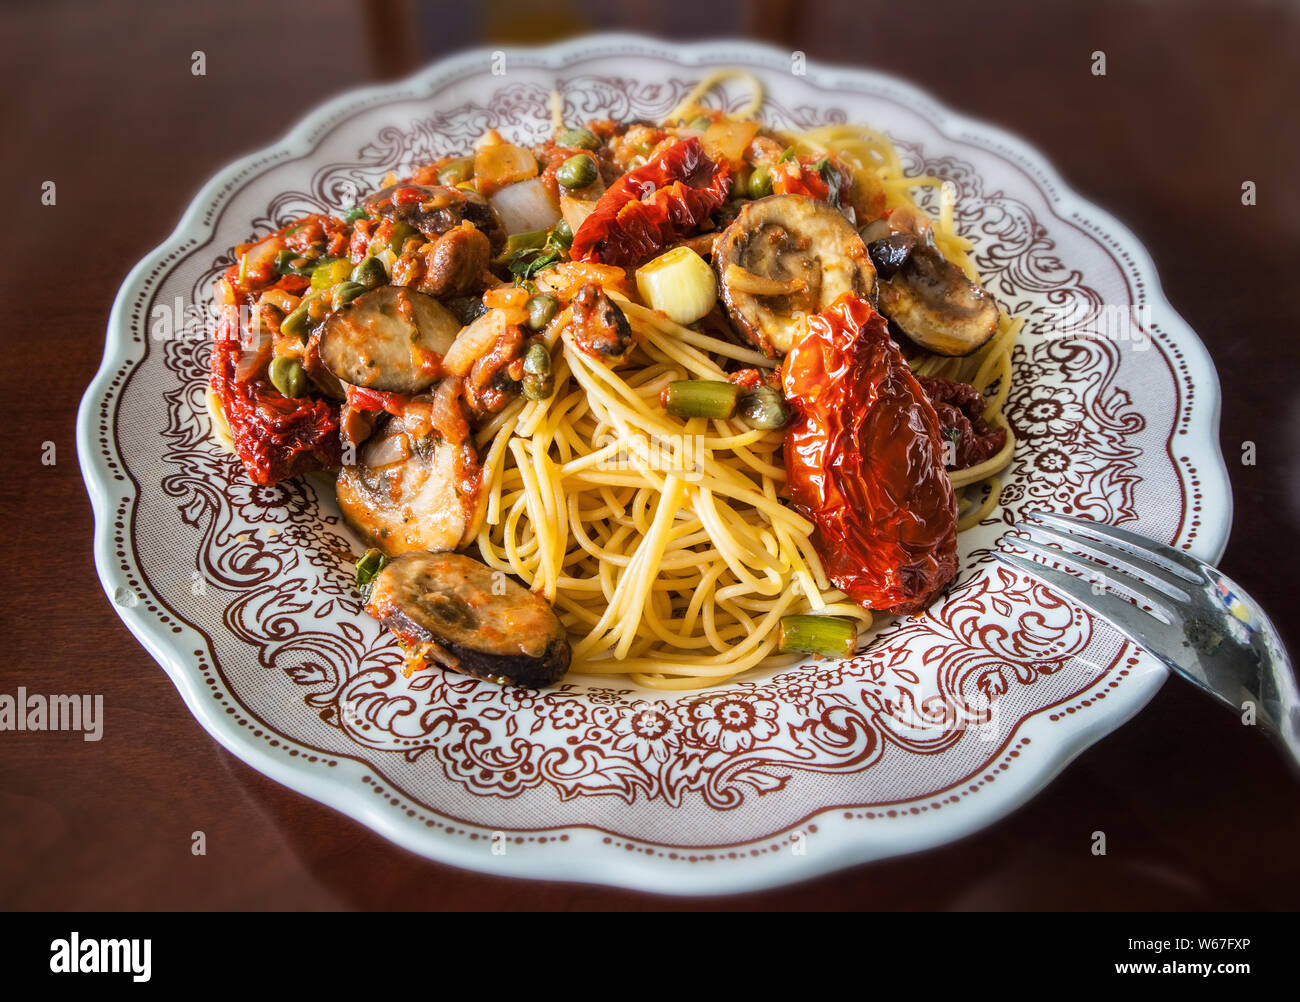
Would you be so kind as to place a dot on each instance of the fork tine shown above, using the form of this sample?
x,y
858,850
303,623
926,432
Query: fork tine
x,y
1108,577
1176,562
1118,612
1147,573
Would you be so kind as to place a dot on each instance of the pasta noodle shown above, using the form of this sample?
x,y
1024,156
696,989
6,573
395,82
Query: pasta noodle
x,y
673,525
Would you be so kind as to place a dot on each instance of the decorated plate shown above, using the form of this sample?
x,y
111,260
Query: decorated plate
x,y
946,722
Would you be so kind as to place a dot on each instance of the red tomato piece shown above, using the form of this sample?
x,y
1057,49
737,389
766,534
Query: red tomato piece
x,y
864,460
275,437
653,206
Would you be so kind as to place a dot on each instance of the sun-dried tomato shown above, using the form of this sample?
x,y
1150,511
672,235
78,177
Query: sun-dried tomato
x,y
276,437
653,206
864,461
363,399
961,421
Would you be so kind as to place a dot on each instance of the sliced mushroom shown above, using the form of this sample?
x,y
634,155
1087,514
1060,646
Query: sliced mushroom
x,y
785,256
456,262
435,209
471,619
889,253
390,339
403,494
932,301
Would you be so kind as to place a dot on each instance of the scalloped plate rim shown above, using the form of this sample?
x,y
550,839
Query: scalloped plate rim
x,y
586,859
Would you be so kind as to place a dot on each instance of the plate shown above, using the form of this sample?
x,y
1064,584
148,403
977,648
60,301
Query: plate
x,y
948,720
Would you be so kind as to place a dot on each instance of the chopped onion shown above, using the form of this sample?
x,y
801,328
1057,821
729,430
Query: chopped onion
x,y
576,210
526,206
386,451
473,342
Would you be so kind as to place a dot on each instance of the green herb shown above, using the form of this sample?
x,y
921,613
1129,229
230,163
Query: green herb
x,y
289,262
368,568
527,267
832,178
525,241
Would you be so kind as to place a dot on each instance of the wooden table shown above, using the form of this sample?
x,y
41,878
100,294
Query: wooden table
x,y
1199,812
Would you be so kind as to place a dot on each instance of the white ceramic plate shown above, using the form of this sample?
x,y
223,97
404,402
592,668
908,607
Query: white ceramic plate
x,y
241,595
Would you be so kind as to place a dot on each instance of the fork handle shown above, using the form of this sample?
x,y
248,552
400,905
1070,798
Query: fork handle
x,y
1288,731
1285,711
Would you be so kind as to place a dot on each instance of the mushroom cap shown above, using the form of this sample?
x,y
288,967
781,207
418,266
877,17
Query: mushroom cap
x,y
390,339
437,210
937,306
796,241
479,621
401,495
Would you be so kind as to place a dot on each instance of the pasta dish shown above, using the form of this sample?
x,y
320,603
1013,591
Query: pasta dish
x,y
668,401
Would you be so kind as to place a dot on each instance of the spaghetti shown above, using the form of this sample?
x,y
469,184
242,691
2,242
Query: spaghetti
x,y
676,574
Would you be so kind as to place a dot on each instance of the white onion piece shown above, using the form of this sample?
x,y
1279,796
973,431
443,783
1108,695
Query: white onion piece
x,y
473,342
392,448
526,206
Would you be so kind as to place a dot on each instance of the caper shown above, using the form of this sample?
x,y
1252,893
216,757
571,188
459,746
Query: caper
x,y
537,387
297,323
763,407
540,311
760,183
288,376
370,273
577,139
576,172
456,171
345,292
537,362
562,233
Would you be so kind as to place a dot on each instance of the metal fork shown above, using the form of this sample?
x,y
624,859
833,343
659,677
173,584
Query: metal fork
x,y
1201,624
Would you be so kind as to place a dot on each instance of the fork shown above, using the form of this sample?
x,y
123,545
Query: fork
x,y
1197,621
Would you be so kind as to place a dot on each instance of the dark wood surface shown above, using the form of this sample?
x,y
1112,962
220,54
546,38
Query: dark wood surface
x,y
1199,811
